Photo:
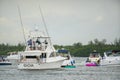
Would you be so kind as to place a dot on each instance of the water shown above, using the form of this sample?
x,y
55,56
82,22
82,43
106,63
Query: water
x,y
81,72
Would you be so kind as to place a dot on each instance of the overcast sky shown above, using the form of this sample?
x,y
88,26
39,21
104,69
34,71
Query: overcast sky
x,y
68,21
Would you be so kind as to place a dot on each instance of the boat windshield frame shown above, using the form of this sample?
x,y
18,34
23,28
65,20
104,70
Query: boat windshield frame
x,y
113,53
94,54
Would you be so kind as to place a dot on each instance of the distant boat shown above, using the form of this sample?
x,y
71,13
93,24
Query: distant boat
x,y
111,58
4,62
69,62
39,53
12,56
93,59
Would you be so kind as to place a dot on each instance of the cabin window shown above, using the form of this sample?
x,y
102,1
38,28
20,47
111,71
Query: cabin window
x,y
53,54
43,55
31,57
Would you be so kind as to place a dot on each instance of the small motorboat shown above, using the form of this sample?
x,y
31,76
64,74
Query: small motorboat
x,y
69,62
93,59
13,56
4,62
111,58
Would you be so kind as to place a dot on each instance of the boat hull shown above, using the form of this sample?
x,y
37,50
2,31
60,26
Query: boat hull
x,y
5,63
70,62
110,62
46,65
111,58
13,57
91,64
69,66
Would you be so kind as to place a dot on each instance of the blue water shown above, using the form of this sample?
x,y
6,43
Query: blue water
x,y
81,72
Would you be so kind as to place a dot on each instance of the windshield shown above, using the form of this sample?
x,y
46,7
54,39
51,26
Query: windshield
x,y
113,53
94,54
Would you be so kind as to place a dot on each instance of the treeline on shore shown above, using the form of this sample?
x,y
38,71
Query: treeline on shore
x,y
77,49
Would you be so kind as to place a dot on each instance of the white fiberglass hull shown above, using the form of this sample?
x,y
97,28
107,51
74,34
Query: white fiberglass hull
x,y
110,61
5,63
13,57
70,62
47,65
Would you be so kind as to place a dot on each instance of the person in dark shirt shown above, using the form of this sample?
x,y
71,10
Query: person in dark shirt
x,y
30,43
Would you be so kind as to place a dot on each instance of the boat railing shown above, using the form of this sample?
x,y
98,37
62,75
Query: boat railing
x,y
36,45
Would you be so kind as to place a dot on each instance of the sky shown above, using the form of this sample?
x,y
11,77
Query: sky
x,y
68,21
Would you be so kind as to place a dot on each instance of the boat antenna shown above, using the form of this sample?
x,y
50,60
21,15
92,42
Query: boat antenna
x,y
21,23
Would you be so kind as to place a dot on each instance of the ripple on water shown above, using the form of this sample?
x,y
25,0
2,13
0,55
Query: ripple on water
x,y
81,72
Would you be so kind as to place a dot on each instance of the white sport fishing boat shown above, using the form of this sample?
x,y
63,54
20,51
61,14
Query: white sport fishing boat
x,y
39,53
111,58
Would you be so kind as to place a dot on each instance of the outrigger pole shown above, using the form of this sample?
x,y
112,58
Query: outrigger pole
x,y
45,24
43,20
21,23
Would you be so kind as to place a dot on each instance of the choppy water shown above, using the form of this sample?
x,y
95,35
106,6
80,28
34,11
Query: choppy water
x,y
81,72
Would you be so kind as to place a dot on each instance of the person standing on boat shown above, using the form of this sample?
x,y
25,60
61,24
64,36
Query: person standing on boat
x,y
39,44
30,44
2,58
34,45
46,43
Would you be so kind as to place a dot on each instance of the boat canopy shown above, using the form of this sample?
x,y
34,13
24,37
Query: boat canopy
x,y
94,54
115,51
38,34
62,51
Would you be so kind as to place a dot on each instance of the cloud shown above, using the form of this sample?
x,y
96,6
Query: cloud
x,y
3,20
99,18
6,21
65,19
